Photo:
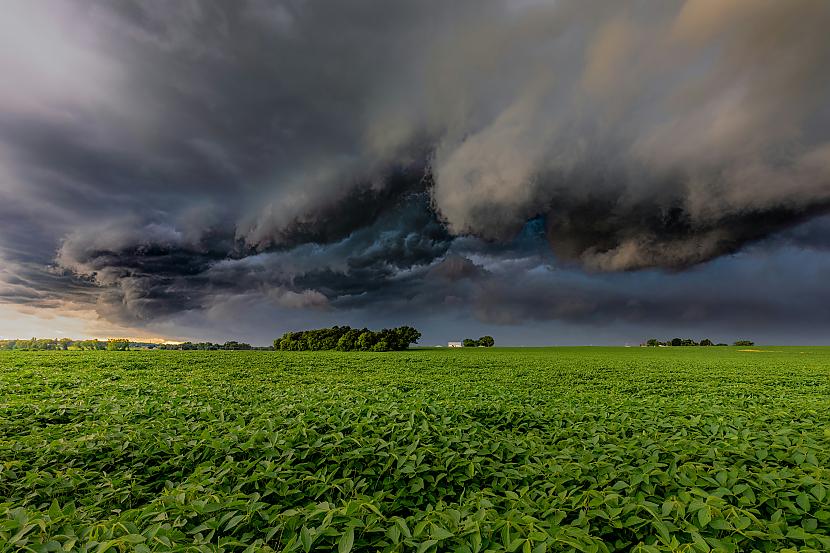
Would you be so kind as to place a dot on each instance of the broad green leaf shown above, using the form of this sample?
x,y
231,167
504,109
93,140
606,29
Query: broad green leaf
x,y
346,541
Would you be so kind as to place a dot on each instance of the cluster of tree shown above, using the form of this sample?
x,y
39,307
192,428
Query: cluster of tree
x,y
654,342
118,345
483,342
115,344
207,346
33,344
62,344
345,338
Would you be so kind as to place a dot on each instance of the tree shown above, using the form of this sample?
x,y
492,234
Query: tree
x,y
744,343
652,342
381,345
43,344
486,341
470,343
233,345
403,336
676,342
366,340
23,344
91,345
706,342
345,338
118,345
348,342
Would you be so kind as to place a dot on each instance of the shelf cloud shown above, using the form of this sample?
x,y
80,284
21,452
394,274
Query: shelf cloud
x,y
157,159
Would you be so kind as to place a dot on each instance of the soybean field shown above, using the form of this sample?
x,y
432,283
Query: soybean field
x,y
428,450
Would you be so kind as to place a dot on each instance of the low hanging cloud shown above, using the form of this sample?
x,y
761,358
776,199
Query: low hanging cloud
x,y
158,159
655,138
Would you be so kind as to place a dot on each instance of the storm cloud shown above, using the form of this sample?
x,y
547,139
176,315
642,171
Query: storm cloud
x,y
514,160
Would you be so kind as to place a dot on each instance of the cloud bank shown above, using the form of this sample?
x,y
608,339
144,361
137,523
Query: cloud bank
x,y
161,159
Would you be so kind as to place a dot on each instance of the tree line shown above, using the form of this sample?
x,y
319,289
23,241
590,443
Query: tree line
x,y
115,344
342,338
483,342
210,346
346,338
63,344
654,342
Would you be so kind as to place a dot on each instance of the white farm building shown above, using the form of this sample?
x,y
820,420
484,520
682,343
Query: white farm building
x,y
454,345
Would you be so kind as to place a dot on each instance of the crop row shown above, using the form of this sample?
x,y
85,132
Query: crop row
x,y
549,450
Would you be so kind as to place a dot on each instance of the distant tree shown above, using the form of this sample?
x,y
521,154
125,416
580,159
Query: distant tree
x,y
486,341
91,345
43,344
676,342
470,343
233,345
403,337
652,342
688,342
348,341
23,344
118,345
744,343
366,340
721,344
381,345
288,342
706,342
345,338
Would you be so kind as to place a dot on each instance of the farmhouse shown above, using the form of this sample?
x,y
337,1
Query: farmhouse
x,y
454,345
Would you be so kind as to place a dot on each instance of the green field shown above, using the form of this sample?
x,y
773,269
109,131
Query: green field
x,y
530,450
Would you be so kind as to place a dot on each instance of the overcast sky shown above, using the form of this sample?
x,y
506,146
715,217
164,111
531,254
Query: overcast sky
x,y
545,172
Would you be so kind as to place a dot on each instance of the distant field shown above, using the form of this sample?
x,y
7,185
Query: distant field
x,y
530,450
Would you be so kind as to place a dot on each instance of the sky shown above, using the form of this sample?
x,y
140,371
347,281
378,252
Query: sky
x,y
545,172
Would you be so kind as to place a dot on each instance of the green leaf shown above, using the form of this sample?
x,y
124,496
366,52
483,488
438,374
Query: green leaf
x,y
404,528
475,541
233,522
346,541
440,533
305,539
798,534
55,510
423,546
515,544
703,517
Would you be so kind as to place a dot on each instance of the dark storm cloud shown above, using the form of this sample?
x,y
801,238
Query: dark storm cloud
x,y
158,158
152,270
700,119
28,284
